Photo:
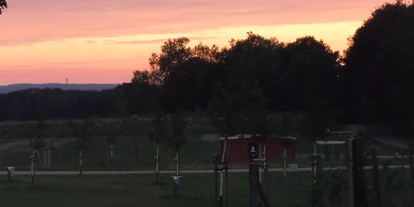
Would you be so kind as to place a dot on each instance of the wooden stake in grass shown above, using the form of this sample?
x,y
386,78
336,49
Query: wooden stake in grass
x,y
156,158
80,162
32,158
111,157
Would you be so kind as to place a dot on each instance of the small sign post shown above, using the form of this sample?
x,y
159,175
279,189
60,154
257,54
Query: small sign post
x,y
253,151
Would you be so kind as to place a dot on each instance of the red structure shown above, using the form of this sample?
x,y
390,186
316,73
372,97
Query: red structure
x,y
242,149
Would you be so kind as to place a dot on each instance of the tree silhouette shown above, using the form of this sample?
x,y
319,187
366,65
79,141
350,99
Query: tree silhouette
x,y
3,5
378,67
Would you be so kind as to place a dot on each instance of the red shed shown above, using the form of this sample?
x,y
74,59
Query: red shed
x,y
242,148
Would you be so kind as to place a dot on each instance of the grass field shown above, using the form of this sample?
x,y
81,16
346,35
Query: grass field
x,y
136,190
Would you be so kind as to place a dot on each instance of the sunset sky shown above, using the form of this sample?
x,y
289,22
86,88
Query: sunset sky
x,y
104,41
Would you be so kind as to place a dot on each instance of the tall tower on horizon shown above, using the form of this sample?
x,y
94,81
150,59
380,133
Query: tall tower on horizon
x,y
67,81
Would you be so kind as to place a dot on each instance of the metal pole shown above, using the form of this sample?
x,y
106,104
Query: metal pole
x,y
284,163
350,172
226,186
215,184
402,180
411,162
334,155
266,170
314,163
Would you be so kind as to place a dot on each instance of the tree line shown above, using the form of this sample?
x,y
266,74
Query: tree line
x,y
372,82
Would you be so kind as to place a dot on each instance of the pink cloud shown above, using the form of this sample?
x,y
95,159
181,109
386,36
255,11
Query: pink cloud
x,y
152,41
28,21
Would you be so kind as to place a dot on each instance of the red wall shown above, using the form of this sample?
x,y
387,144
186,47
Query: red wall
x,y
238,150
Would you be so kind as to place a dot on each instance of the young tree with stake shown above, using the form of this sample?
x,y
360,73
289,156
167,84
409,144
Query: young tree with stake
x,y
37,141
236,99
175,127
83,135
111,140
156,134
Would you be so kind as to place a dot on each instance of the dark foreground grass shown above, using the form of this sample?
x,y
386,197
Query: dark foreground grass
x,y
136,190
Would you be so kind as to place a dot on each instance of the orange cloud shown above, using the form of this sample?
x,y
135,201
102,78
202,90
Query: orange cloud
x,y
29,22
105,40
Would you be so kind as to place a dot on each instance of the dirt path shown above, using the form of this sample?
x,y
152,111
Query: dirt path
x,y
169,171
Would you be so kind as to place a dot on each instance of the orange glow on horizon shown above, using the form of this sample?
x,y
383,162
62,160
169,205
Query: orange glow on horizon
x,y
39,46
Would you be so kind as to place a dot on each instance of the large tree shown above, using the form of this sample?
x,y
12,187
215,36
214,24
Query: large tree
x,y
378,65
3,5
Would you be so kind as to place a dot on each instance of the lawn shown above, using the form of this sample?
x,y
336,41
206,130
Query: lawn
x,y
137,190
134,190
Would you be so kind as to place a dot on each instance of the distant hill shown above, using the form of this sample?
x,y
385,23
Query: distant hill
x,y
87,87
